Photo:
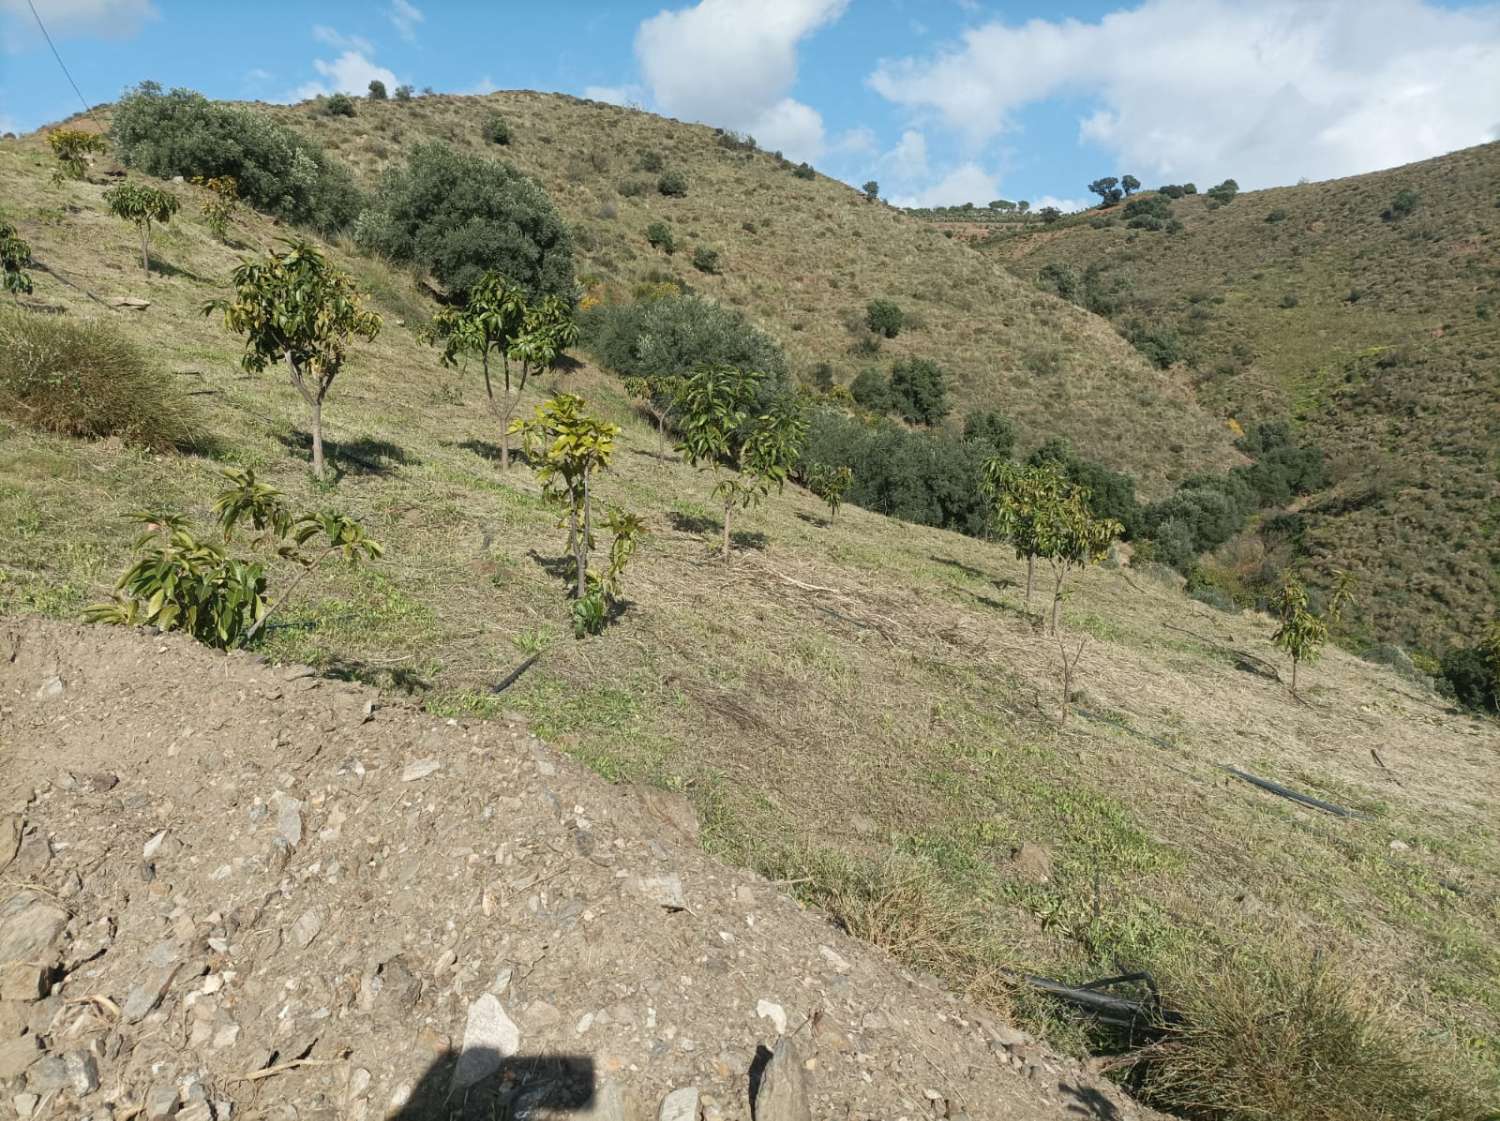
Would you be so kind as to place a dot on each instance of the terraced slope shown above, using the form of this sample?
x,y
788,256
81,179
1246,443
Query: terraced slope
x,y
1379,335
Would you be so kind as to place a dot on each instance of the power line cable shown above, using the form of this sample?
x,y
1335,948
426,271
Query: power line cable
x,y
87,109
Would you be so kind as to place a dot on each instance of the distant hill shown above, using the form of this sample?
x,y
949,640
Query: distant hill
x,y
1368,310
803,257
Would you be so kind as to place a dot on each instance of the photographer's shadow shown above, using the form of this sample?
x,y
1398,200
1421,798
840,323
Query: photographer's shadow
x,y
490,1085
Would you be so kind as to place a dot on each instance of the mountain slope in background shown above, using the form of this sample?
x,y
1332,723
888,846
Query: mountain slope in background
x,y
1375,324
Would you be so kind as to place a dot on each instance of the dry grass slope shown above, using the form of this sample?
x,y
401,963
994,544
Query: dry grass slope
x,y
838,700
1380,336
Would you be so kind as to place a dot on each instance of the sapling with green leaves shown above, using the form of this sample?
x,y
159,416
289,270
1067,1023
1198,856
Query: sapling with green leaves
x,y
186,581
830,484
496,319
1018,494
221,203
299,308
141,205
567,446
72,147
749,454
15,258
1300,631
657,393
1069,536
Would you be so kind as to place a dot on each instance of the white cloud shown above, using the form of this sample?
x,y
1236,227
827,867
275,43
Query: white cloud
x,y
859,141
629,95
1067,206
8,123
405,16
967,182
351,72
341,42
1266,92
907,161
102,19
483,86
733,65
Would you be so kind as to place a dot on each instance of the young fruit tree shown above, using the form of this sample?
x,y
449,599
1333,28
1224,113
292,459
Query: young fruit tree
x,y
657,394
1300,631
183,581
1018,495
15,258
568,447
496,319
142,205
829,484
718,431
1069,536
71,146
299,308
221,202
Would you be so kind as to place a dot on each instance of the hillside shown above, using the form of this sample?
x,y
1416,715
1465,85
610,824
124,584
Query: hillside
x,y
862,711
803,256
1379,335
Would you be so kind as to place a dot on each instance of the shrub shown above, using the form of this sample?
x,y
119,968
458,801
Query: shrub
x,y
85,379
1277,215
1151,213
633,188
15,259
996,432
1162,346
339,105
1471,674
1049,214
278,171
659,236
1289,300
735,141
1403,204
872,390
919,390
706,260
673,184
670,336
403,93
461,215
1061,280
872,191
219,204
885,318
377,90
496,129
1224,193
1111,493
804,171
71,146
649,161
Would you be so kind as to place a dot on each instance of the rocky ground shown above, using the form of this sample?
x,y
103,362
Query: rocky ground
x,y
235,890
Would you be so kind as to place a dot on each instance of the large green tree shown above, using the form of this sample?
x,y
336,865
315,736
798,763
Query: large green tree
x,y
299,308
460,216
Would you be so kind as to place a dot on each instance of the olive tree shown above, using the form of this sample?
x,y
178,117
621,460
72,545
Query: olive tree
x,y
15,258
497,319
750,455
142,205
299,308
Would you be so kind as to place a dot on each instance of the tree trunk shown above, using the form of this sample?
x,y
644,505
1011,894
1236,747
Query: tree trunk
x,y
580,554
1057,599
145,245
588,527
317,435
1294,677
1030,577
728,508
661,436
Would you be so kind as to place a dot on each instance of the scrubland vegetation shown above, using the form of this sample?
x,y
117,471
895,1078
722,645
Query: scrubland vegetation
x,y
864,704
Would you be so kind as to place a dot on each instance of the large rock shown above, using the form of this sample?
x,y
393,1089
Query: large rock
x,y
680,1105
782,1094
490,1037
30,929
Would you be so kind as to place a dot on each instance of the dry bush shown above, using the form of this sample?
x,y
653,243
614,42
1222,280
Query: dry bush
x,y
1285,1038
83,378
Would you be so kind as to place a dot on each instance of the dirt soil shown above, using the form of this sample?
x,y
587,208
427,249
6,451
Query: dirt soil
x,y
231,889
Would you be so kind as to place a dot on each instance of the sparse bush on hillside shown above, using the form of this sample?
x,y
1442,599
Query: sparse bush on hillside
x,y
672,335
278,171
919,390
632,188
1224,193
220,204
1471,674
1404,204
339,105
734,141
82,378
496,129
1177,190
649,160
1151,213
706,260
804,171
377,90
884,317
460,216
141,205
15,259
659,236
72,147
872,390
403,93
673,184
1161,345
872,191
1049,214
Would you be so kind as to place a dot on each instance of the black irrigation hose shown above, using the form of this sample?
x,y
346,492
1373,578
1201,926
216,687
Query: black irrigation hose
x,y
1140,1019
514,675
1293,795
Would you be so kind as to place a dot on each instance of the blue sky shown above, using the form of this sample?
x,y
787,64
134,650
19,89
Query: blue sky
x,y
941,101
